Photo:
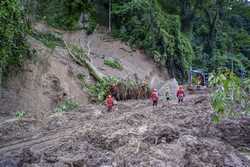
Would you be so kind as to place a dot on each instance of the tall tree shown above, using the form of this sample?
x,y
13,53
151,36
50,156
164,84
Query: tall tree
x,y
110,15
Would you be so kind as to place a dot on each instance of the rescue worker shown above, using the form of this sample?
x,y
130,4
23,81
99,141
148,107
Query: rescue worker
x,y
180,94
109,103
154,97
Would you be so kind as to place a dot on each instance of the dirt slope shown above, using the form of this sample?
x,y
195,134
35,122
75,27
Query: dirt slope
x,y
52,74
41,85
103,46
135,135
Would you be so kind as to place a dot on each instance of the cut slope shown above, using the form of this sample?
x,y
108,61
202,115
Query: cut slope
x,y
45,80
103,46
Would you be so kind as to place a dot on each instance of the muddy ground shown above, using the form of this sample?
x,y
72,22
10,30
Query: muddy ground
x,y
134,135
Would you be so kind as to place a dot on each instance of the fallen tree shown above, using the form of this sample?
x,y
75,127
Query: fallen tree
x,y
80,56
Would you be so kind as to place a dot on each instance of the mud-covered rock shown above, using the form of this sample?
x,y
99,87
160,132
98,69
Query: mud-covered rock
x,y
27,156
8,163
161,134
236,132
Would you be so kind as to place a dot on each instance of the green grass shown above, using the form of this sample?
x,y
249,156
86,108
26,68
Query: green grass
x,y
66,105
48,39
113,64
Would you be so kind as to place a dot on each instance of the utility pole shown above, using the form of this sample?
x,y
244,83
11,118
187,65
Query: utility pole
x,y
110,19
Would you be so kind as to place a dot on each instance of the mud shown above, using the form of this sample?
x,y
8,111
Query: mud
x,y
135,135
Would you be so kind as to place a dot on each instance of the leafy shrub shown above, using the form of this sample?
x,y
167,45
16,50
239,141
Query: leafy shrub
x,y
20,114
126,89
63,14
230,96
13,30
101,88
48,39
79,52
90,27
113,63
66,106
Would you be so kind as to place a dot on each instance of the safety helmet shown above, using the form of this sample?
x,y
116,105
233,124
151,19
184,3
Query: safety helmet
x,y
180,87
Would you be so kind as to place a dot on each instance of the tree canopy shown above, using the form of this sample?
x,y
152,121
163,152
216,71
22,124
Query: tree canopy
x,y
177,34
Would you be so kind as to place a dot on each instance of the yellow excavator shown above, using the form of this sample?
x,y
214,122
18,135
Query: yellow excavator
x,y
197,81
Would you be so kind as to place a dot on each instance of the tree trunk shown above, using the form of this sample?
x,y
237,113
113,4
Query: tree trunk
x,y
110,19
92,69
211,37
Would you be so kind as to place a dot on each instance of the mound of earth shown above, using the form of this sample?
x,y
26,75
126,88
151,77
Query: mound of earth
x,y
134,135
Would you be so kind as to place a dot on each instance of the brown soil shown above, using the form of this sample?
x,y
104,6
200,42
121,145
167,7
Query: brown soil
x,y
134,135
43,82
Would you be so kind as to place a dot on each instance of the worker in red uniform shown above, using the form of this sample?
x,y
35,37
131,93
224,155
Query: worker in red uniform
x,y
109,103
154,97
180,94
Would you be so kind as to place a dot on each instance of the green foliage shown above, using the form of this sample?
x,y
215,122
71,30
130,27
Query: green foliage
x,y
13,29
66,105
91,26
221,35
218,30
65,14
20,114
79,52
230,96
113,63
101,88
48,39
146,25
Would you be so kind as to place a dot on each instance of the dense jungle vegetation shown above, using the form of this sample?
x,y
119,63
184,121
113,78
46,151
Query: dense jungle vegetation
x,y
177,34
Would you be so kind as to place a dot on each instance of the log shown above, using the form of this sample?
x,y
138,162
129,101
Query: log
x,y
200,100
92,69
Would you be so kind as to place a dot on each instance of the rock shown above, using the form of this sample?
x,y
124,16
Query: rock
x,y
28,156
8,163
236,132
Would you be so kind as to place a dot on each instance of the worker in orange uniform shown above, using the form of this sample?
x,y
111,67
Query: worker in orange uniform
x,y
154,97
109,103
180,94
